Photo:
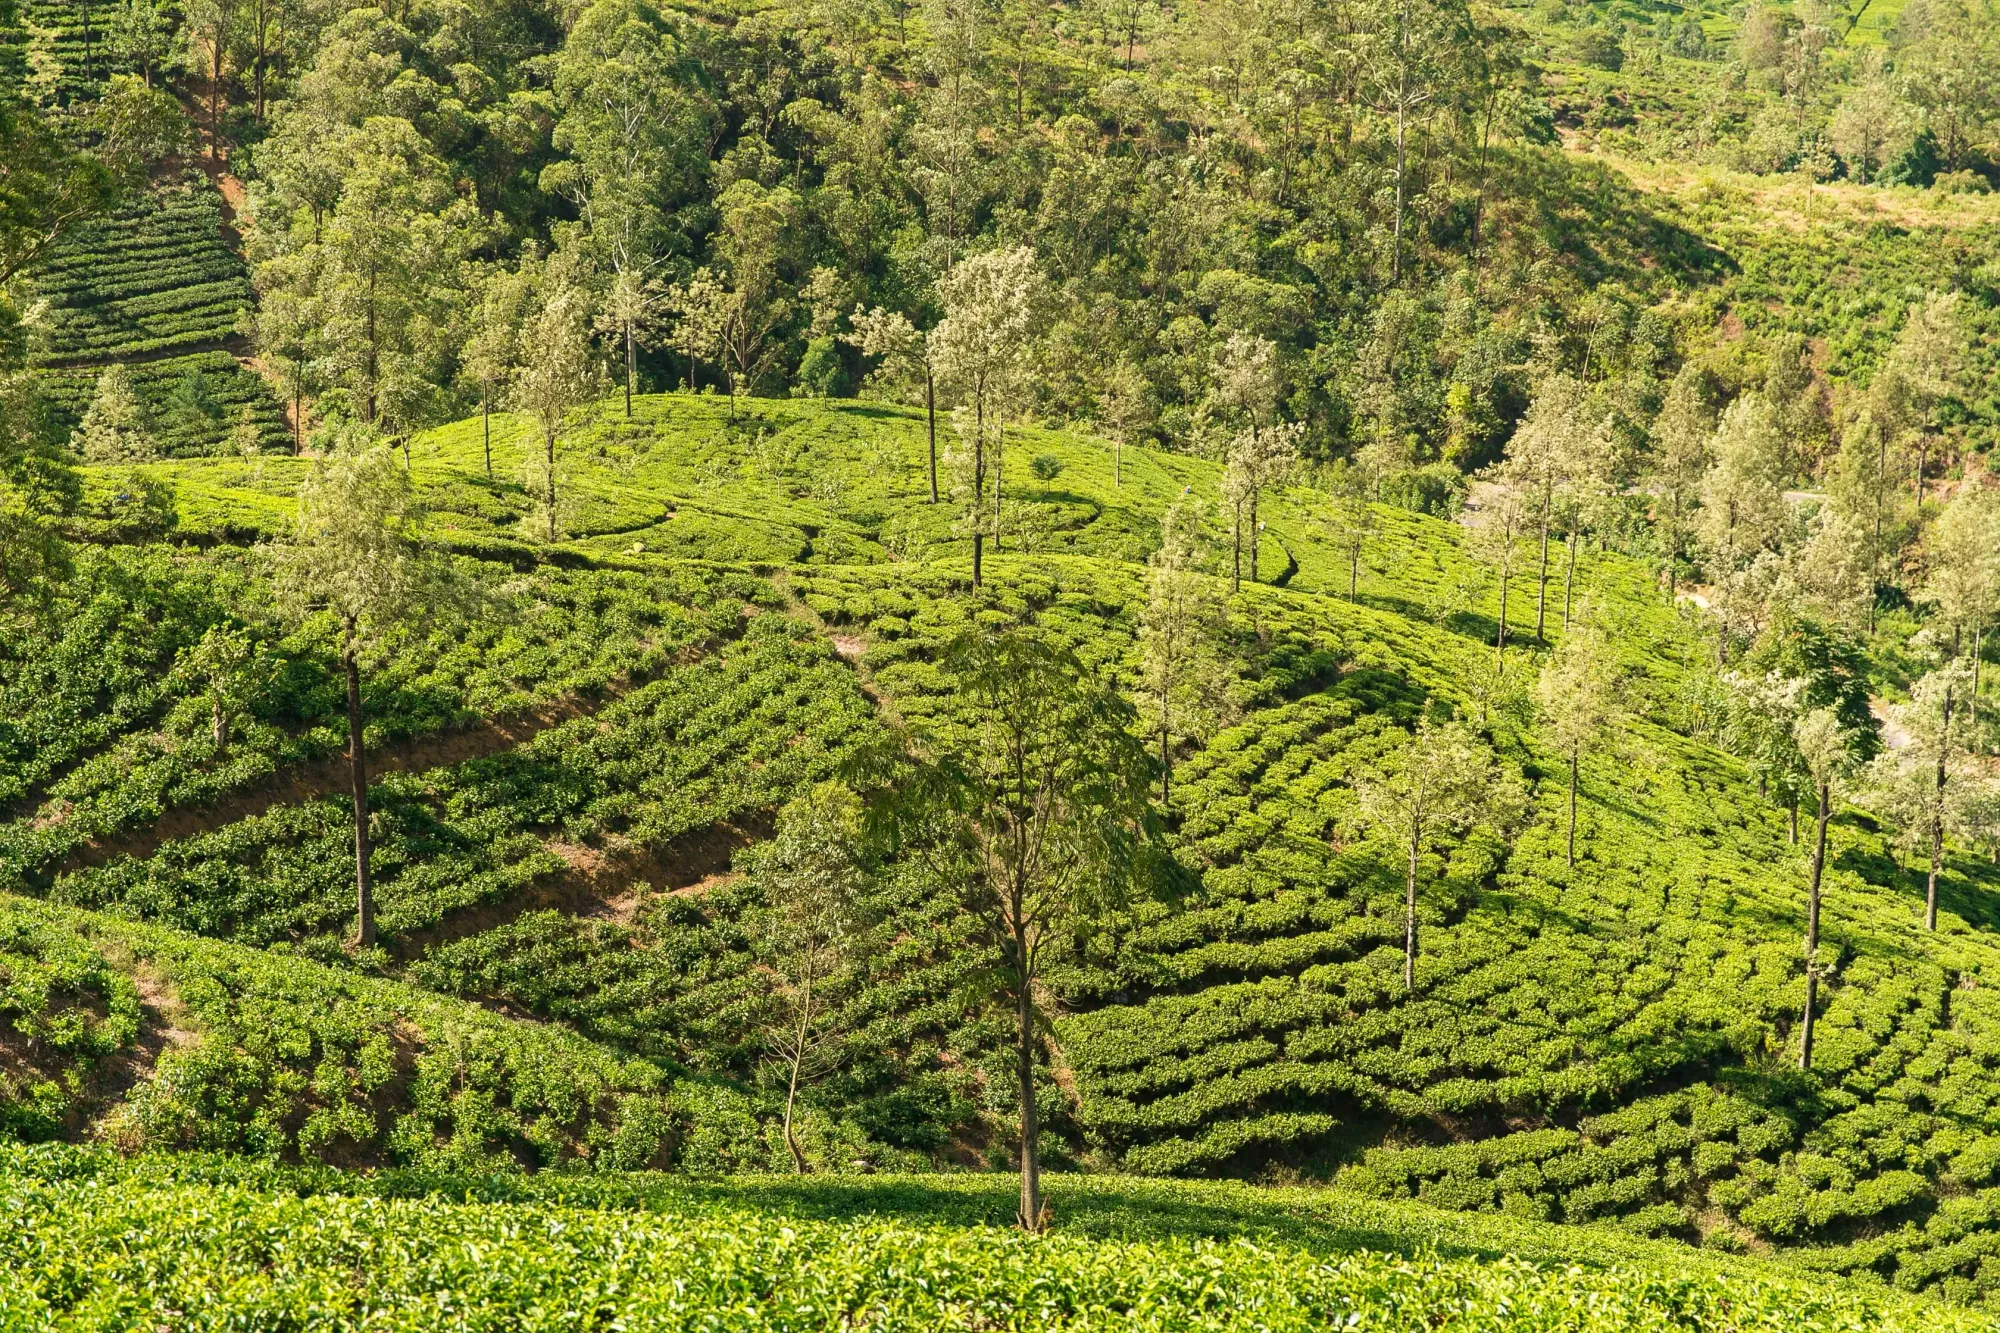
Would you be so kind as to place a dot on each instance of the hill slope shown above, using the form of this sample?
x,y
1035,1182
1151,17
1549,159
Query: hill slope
x,y
738,604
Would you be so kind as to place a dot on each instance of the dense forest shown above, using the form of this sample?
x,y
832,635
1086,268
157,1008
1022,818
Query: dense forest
x,y
767,657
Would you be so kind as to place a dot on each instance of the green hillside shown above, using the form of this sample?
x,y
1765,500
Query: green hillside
x,y
740,604
156,287
1050,664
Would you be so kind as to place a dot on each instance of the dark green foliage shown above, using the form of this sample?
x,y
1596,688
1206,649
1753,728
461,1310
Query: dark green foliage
x,y
155,276
63,1008
272,1056
1831,662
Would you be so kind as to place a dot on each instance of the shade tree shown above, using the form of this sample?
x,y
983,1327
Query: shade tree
x,y
1555,442
494,350
117,427
1182,681
697,308
634,130
358,554
1922,370
1502,519
754,242
1412,54
1262,450
373,286
811,877
1347,519
984,350
1436,781
1256,458
1915,786
227,670
1680,436
1126,412
1033,800
902,352
1764,710
1743,509
1828,753
1962,587
1865,488
558,376
1578,698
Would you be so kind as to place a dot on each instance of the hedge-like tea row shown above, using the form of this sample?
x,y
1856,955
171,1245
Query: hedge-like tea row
x,y
87,1254
197,402
153,275
99,738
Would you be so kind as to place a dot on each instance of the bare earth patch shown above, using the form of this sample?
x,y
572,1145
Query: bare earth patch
x,y
324,777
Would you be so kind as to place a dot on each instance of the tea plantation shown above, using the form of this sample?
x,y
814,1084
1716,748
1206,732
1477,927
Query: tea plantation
x,y
155,286
747,602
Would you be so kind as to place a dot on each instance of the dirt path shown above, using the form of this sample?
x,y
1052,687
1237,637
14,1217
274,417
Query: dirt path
x,y
605,885
325,777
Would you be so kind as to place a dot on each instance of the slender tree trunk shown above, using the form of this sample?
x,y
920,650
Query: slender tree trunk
x,y
357,767
1673,548
1410,919
1937,821
1542,582
978,483
799,1036
1812,928
1931,875
549,479
486,422
1236,547
1570,850
1353,573
1792,816
631,368
930,420
1254,536
1024,1013
999,470
374,363
1569,577
1166,759
1978,651
1402,130
1500,634
1118,462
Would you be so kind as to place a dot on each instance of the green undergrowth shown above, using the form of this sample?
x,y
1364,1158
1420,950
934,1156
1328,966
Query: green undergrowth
x,y
720,738
152,1039
636,1252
